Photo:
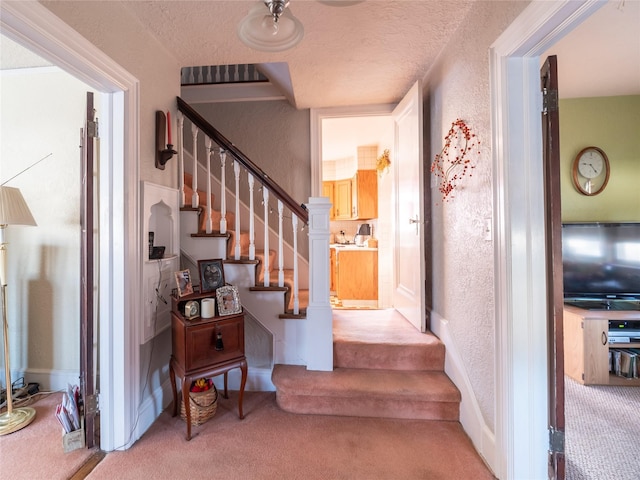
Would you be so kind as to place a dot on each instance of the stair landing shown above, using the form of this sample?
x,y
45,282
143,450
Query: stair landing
x,y
383,367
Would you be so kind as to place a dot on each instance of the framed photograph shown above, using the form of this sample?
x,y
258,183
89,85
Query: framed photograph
x,y
211,275
228,300
183,281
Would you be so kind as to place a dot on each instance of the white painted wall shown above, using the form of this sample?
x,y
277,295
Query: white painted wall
x,y
140,54
463,259
43,110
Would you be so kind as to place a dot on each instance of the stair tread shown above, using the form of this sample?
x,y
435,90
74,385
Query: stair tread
x,y
427,386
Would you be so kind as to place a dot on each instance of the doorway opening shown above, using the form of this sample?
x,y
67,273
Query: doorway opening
x,y
361,214
37,29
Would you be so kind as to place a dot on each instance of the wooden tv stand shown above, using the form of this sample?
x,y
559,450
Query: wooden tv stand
x,y
586,345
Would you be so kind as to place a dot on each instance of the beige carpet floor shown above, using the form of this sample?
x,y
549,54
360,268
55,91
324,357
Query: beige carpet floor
x,y
272,444
267,444
36,451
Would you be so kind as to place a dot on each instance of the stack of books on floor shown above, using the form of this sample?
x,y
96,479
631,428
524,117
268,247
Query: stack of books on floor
x,y
624,362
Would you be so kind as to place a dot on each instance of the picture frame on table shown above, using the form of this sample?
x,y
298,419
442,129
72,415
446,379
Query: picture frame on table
x,y
228,300
211,275
183,282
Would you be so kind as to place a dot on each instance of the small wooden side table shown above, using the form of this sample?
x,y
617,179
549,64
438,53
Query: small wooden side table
x,y
204,347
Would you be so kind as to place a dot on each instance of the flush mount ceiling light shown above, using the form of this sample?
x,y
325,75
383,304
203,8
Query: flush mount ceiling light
x,y
270,29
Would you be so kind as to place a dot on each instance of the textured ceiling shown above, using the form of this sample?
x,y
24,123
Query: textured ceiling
x,y
371,52
349,54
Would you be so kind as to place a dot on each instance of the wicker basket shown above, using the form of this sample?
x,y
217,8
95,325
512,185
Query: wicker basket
x,y
203,406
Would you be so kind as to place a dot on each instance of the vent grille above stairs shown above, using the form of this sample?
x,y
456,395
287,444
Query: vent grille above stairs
x,y
221,74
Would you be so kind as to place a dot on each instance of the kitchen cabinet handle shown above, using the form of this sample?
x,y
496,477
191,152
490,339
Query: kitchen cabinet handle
x,y
605,338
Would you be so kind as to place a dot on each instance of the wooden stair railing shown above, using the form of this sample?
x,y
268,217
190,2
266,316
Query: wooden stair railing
x,y
269,187
298,209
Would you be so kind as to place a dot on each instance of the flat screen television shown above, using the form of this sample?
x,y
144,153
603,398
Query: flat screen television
x,y
601,261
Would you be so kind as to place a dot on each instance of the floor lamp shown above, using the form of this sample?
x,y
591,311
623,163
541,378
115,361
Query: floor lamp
x,y
13,211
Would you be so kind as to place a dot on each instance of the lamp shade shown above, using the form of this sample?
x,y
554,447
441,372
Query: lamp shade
x,y
13,208
260,31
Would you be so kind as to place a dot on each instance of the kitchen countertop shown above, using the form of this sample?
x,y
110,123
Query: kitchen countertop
x,y
351,247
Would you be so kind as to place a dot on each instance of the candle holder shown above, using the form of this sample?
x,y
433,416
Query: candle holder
x,y
164,152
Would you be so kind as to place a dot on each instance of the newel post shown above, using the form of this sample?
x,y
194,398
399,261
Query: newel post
x,y
319,331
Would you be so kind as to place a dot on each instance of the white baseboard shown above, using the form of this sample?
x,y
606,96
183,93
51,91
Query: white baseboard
x,y
48,380
471,418
258,380
152,407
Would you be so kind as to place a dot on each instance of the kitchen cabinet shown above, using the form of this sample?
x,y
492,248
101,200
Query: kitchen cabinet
x,y
354,198
356,273
364,195
332,269
342,198
327,191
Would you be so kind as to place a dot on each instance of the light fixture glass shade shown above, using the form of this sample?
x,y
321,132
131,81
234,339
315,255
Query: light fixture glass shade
x,y
13,208
259,31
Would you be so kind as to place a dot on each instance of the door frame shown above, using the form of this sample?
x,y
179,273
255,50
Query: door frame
x,y
520,287
385,250
32,25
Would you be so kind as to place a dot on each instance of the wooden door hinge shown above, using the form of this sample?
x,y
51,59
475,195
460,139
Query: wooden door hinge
x,y
92,404
92,129
556,440
549,101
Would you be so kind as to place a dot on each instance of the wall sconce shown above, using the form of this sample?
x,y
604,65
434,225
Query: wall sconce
x,y
164,152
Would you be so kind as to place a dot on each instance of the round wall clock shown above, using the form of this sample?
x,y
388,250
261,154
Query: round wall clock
x,y
590,171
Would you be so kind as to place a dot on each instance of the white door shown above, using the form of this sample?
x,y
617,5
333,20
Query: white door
x,y
409,274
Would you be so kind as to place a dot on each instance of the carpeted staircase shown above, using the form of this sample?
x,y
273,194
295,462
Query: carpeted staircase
x,y
383,367
303,295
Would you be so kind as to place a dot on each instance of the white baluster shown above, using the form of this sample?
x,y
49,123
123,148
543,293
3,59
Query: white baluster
x,y
217,73
209,74
246,73
192,79
265,202
194,183
252,228
226,73
180,147
200,75
209,227
223,188
280,245
236,73
236,172
296,299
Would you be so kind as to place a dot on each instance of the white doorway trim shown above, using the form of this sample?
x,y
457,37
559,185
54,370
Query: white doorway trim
x,y
315,134
35,27
521,336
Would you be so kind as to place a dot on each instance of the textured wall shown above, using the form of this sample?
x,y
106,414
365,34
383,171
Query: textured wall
x,y
463,263
273,134
142,56
159,75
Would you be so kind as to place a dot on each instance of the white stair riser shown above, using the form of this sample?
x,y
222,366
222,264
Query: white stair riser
x,y
258,380
266,307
